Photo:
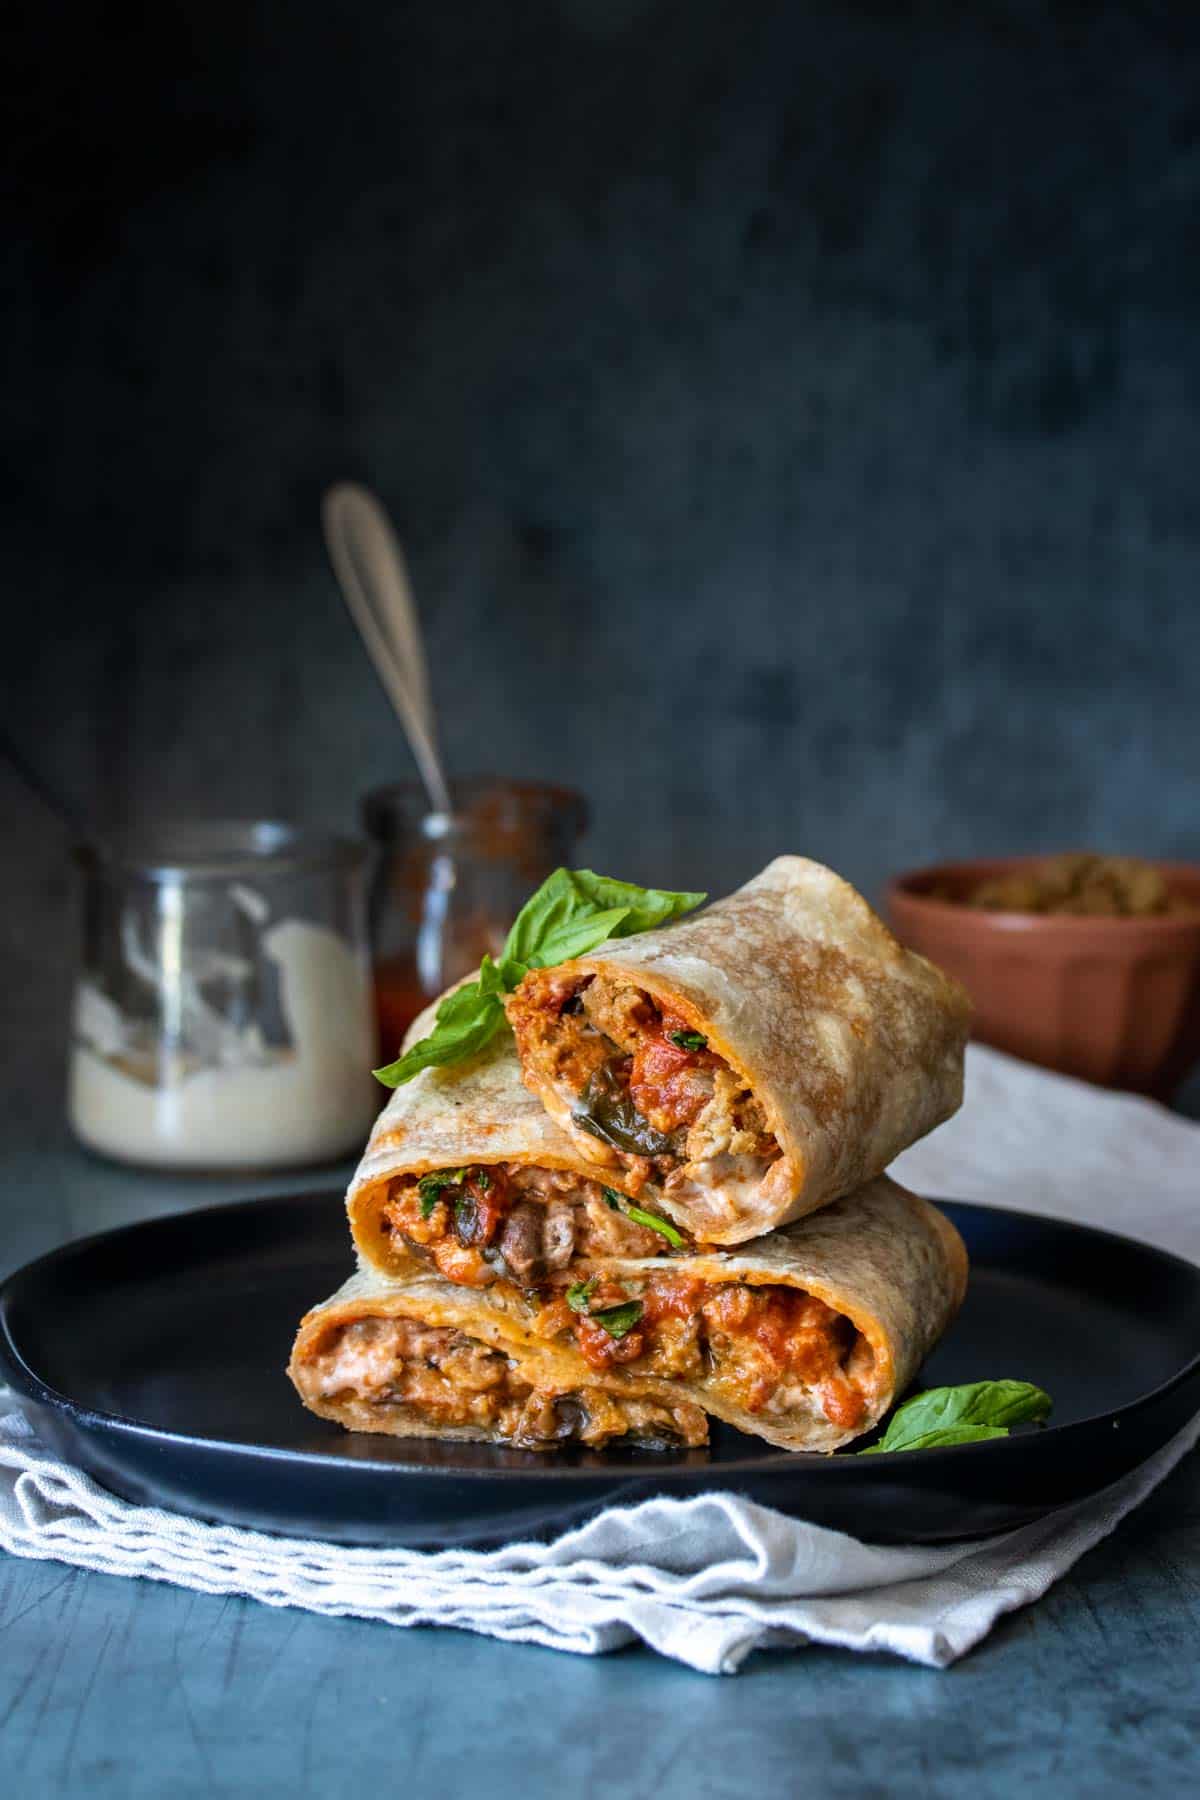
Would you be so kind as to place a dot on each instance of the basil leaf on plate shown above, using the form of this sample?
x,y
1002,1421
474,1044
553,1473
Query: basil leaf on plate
x,y
962,1415
943,1438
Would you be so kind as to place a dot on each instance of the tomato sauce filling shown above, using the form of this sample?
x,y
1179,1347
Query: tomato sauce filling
x,y
765,1348
377,1369
638,1076
509,1222
539,1233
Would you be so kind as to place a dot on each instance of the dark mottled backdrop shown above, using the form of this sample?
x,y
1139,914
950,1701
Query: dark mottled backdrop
x,y
792,414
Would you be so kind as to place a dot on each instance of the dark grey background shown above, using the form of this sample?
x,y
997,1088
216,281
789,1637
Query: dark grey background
x,y
792,414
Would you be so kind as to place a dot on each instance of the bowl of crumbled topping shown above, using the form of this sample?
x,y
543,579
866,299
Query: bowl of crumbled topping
x,y
1084,963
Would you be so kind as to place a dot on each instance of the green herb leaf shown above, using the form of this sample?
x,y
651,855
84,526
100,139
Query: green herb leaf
x,y
499,977
606,1111
619,1321
574,910
483,1180
580,1292
571,913
653,1223
962,1415
647,908
577,937
467,1020
943,1439
430,1186
622,1203
688,1040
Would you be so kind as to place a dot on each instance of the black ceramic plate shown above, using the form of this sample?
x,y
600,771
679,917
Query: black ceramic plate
x,y
154,1357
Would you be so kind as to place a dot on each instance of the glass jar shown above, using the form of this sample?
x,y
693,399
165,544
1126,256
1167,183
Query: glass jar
x,y
447,886
223,1017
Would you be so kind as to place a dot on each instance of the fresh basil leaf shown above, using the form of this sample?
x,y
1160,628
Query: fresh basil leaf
x,y
580,1292
987,1408
647,907
430,1187
550,927
974,1403
944,1439
552,905
688,1040
466,1020
653,1223
577,937
619,1321
492,979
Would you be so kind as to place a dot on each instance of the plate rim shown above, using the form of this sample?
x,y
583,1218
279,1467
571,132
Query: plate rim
x,y
26,1381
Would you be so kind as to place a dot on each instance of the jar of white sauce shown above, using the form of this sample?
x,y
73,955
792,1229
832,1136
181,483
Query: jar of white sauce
x,y
223,1015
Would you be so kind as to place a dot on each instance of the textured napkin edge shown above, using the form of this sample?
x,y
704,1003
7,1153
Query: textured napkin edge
x,y
572,1605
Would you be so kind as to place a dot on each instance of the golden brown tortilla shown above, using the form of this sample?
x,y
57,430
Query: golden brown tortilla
x,y
888,1261
852,1044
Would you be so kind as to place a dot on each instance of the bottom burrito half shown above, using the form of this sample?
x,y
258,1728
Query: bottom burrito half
x,y
804,1337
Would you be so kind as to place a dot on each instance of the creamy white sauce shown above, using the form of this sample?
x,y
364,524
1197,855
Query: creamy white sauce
x,y
367,1366
256,1105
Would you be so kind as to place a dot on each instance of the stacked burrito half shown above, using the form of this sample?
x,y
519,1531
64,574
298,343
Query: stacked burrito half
x,y
660,1197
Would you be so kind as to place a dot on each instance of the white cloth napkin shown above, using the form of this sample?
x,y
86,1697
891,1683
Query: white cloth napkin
x,y
709,1579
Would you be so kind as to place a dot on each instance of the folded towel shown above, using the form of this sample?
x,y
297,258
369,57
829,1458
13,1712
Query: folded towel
x,y
706,1580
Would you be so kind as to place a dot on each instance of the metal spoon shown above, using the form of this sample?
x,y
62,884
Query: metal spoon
x,y
370,568
369,564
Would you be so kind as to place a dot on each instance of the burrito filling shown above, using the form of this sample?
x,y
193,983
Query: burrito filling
x,y
768,1350
765,1348
451,1379
641,1080
478,1225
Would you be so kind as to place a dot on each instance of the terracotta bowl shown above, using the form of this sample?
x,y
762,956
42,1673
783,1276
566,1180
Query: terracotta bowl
x,y
1115,1001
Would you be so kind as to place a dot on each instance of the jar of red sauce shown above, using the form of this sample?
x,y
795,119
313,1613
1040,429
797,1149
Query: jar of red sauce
x,y
447,886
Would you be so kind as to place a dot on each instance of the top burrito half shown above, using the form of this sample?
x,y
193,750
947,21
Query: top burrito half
x,y
745,1066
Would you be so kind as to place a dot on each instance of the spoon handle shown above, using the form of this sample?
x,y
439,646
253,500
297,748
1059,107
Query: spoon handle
x,y
369,565
54,801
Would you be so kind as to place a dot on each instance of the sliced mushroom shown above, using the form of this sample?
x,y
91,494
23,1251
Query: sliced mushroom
x,y
520,1243
558,1233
